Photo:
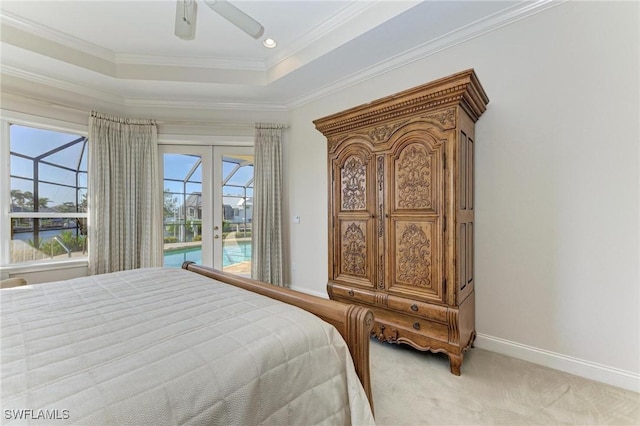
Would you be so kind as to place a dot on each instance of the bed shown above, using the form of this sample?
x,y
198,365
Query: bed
x,y
181,346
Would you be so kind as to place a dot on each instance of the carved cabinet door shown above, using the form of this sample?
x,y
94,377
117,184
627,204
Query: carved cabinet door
x,y
353,216
416,217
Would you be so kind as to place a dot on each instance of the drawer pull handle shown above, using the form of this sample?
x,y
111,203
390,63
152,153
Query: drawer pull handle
x,y
414,307
416,325
350,292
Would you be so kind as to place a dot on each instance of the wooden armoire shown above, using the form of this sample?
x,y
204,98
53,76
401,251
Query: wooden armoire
x,y
401,208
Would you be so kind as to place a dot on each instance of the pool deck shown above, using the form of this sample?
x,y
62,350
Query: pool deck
x,y
180,246
190,244
240,268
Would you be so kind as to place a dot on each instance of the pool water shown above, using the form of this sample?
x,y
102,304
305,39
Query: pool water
x,y
231,254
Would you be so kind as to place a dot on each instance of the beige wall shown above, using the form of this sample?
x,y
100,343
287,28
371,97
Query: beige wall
x,y
556,178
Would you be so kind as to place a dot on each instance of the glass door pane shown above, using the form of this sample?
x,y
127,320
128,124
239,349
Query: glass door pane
x,y
186,217
233,209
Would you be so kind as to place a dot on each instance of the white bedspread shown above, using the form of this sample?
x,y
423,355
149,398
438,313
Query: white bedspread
x,y
167,346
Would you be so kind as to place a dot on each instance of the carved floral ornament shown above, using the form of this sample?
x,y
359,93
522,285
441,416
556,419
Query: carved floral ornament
x,y
383,133
413,177
368,322
354,250
414,257
333,142
353,184
446,118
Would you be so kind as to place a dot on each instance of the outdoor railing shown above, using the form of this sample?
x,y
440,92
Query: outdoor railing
x,y
59,241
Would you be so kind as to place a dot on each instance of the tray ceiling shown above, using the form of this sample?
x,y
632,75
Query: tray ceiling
x,y
125,52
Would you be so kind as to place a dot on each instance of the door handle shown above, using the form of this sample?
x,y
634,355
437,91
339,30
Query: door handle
x,y
215,228
216,236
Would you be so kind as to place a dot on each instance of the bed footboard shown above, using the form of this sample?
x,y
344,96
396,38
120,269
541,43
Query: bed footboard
x,y
353,322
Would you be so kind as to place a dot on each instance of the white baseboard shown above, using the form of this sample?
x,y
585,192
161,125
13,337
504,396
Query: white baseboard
x,y
587,369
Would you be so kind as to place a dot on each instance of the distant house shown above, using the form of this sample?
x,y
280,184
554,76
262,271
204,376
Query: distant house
x,y
228,212
244,211
193,206
241,212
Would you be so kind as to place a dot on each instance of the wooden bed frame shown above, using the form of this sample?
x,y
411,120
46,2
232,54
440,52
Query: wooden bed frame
x,y
353,322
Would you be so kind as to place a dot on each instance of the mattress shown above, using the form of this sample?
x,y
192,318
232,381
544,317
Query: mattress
x,y
167,346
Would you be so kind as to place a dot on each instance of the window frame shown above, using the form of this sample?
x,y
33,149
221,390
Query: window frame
x,y
7,118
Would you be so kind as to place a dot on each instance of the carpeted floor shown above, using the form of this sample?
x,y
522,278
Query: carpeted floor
x,y
415,388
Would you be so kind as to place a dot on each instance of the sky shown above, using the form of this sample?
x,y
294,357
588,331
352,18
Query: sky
x,y
35,142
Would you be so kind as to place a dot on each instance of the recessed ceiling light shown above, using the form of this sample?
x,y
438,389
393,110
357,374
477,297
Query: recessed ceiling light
x,y
270,43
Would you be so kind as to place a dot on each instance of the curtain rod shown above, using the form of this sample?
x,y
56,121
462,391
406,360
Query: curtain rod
x,y
122,120
271,126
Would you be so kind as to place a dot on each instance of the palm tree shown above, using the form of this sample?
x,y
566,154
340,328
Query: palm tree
x,y
83,203
42,202
17,198
67,207
28,199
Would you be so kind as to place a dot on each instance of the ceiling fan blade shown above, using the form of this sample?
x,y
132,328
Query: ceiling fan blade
x,y
237,17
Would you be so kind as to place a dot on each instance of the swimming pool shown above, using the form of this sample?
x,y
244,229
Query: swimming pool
x,y
231,254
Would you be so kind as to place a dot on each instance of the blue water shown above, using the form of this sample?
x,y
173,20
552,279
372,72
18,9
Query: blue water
x,y
175,258
44,235
237,253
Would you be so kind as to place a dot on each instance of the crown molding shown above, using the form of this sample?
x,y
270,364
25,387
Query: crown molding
x,y
60,84
460,35
42,31
191,62
206,105
138,102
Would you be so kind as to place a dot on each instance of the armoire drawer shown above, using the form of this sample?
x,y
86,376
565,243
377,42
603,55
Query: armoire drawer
x,y
412,307
417,330
353,293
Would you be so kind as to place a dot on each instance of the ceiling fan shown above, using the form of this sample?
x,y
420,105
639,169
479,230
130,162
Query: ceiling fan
x,y
186,12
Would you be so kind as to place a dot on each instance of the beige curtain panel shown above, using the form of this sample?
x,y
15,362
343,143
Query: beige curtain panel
x,y
125,219
266,249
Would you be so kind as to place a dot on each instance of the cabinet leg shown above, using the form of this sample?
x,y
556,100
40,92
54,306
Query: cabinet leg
x,y
455,361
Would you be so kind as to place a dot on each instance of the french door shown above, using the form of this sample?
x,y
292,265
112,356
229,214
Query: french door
x,y
233,208
208,206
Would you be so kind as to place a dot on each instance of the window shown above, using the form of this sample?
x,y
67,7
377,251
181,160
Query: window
x,y
47,195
